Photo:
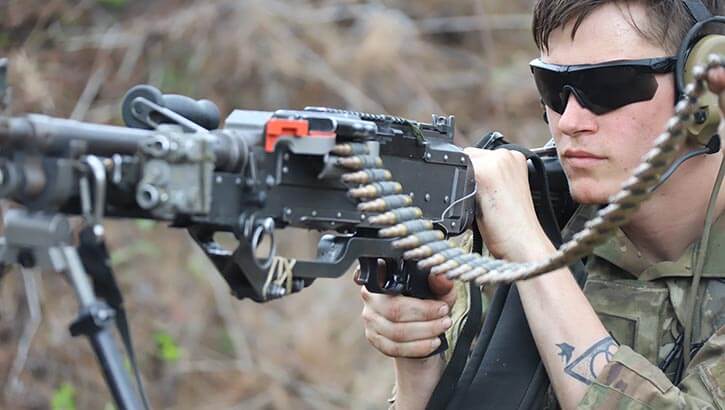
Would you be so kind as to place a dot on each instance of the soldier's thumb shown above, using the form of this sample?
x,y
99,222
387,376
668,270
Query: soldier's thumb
x,y
443,288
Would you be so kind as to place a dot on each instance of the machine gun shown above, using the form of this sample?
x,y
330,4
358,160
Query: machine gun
x,y
260,172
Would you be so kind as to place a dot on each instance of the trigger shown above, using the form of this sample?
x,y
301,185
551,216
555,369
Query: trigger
x,y
394,287
368,275
394,283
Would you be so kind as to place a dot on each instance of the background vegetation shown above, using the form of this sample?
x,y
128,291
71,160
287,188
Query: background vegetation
x,y
198,347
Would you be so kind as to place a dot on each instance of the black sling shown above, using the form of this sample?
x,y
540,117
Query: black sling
x,y
504,371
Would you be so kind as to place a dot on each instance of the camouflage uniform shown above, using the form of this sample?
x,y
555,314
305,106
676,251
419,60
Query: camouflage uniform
x,y
643,307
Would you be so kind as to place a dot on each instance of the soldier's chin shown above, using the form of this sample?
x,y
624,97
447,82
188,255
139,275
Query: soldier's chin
x,y
589,194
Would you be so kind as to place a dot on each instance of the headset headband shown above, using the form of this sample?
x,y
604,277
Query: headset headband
x,y
697,10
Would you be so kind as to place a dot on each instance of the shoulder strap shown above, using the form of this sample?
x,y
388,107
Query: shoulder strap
x,y
697,9
447,384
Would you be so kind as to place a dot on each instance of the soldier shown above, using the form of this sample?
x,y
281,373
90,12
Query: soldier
x,y
619,342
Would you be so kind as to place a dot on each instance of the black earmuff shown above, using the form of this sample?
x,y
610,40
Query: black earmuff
x,y
694,50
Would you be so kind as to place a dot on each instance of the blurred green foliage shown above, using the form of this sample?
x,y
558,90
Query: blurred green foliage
x,y
64,398
134,250
113,3
166,348
145,224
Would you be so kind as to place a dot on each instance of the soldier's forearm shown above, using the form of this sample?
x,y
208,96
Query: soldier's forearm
x,y
415,380
572,342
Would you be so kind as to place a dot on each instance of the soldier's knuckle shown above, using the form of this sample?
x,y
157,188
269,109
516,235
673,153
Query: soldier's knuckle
x,y
367,316
383,345
394,350
444,325
370,336
364,293
432,312
518,157
395,310
380,343
422,348
398,333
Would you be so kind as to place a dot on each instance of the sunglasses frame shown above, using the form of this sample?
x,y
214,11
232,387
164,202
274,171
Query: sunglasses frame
x,y
655,65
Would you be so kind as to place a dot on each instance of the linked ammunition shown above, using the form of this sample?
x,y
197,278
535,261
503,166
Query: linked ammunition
x,y
418,239
453,263
361,162
427,250
354,148
472,264
396,216
385,203
367,176
473,273
440,257
406,228
376,189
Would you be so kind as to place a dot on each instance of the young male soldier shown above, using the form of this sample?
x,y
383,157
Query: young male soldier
x,y
631,313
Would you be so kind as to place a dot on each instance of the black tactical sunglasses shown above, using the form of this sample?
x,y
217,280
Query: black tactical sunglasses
x,y
602,87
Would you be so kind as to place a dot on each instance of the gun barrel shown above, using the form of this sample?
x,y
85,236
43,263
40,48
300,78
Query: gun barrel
x,y
54,136
51,135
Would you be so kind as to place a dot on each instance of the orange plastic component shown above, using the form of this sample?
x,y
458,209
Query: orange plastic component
x,y
278,127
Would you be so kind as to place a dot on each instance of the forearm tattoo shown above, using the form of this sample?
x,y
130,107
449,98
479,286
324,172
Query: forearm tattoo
x,y
583,368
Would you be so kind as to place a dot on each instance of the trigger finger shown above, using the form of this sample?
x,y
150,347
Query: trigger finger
x,y
409,331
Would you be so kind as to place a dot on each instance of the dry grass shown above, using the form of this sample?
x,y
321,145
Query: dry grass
x,y
409,58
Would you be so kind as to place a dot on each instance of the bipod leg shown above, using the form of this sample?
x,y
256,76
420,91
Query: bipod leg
x,y
96,321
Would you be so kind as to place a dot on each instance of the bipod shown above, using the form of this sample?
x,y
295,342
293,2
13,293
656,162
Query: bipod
x,y
45,240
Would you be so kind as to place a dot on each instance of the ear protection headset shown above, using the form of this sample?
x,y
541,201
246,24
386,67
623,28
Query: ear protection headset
x,y
694,50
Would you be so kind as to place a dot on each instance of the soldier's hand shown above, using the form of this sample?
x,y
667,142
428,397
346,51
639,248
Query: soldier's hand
x,y
401,326
507,219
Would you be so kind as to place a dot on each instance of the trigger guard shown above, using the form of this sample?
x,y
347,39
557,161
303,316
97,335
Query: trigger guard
x,y
369,276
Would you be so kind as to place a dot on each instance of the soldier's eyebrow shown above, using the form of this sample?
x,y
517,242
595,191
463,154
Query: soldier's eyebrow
x,y
582,367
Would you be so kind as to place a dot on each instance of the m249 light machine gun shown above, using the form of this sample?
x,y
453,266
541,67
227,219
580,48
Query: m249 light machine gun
x,y
261,171
316,168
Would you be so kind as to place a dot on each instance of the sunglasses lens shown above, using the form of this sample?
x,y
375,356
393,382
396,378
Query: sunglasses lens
x,y
609,88
551,88
600,90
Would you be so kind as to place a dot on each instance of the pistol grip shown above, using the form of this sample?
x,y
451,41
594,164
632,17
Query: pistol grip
x,y
394,278
418,287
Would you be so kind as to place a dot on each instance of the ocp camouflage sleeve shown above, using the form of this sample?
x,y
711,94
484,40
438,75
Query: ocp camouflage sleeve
x,y
630,381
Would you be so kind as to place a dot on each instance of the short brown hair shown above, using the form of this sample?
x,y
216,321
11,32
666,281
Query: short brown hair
x,y
668,23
